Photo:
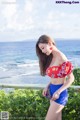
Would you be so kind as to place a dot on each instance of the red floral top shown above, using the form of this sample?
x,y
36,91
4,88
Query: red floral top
x,y
60,71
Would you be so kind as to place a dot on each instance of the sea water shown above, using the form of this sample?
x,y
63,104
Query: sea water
x,y
19,63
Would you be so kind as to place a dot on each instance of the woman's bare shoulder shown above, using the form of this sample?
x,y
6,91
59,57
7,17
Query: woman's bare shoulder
x,y
62,58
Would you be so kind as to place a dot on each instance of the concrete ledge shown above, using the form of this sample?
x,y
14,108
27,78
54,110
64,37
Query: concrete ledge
x,y
31,86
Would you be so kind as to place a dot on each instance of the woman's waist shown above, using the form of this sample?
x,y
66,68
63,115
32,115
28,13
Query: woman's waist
x,y
58,80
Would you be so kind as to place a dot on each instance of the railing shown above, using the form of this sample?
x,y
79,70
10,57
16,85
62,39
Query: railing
x,y
30,86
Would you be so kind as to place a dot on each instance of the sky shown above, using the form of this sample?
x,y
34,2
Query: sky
x,y
29,19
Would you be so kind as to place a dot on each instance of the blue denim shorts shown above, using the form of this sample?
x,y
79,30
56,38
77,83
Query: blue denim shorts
x,y
63,98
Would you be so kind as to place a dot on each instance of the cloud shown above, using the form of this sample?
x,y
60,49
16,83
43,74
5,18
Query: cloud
x,y
62,23
15,18
8,13
31,18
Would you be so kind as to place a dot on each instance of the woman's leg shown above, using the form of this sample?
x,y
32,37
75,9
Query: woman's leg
x,y
54,111
59,117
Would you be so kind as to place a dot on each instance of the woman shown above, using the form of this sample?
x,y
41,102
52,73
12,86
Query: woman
x,y
54,63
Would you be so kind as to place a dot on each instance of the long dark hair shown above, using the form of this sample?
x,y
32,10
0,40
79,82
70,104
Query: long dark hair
x,y
44,60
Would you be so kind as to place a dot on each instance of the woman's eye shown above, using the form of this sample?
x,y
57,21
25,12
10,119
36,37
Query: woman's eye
x,y
42,47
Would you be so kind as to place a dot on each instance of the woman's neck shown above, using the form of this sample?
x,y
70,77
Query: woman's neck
x,y
55,52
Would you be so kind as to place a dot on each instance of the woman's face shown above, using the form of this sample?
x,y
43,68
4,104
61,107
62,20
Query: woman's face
x,y
45,48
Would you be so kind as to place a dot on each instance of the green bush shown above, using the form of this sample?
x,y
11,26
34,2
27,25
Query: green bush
x,y
27,104
72,110
30,104
76,73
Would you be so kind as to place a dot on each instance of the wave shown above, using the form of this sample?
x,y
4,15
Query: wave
x,y
3,69
16,64
76,52
23,74
71,53
27,68
5,77
28,65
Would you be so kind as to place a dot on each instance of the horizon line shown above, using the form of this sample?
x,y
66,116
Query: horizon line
x,y
57,39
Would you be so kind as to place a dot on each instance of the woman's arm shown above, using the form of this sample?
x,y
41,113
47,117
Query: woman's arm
x,y
45,90
67,84
70,76
48,85
63,87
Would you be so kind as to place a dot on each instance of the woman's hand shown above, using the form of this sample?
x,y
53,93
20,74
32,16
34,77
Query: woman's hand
x,y
55,96
45,91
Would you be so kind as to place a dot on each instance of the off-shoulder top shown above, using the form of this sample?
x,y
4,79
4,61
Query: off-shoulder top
x,y
60,71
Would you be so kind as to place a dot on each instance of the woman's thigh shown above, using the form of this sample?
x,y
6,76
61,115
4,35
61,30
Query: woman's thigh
x,y
53,110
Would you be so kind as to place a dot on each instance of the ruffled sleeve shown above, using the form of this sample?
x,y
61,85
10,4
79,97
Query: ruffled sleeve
x,y
65,69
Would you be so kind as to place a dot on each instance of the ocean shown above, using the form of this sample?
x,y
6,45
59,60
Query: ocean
x,y
19,63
